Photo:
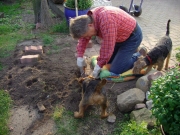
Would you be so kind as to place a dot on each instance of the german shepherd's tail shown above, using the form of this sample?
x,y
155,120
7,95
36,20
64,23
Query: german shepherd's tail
x,y
167,32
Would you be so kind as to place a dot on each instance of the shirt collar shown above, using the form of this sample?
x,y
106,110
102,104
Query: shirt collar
x,y
90,13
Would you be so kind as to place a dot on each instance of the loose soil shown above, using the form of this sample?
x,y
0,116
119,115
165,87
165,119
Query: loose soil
x,y
52,81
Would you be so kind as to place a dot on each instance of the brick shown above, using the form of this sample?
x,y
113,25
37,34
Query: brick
x,y
1,15
29,58
33,49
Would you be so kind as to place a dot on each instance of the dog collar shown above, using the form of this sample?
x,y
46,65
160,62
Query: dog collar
x,y
150,61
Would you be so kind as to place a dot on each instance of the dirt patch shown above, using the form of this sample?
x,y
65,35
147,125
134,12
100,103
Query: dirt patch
x,y
49,81
52,81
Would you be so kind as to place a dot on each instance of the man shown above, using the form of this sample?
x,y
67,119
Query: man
x,y
120,34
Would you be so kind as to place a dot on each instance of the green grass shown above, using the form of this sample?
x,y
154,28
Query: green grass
x,y
62,27
12,29
10,23
65,122
5,103
8,43
47,39
131,127
68,125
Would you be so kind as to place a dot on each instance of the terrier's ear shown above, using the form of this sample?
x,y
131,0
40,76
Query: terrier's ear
x,y
90,77
81,79
103,82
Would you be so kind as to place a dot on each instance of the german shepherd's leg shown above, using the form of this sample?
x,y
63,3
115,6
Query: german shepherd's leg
x,y
82,108
104,114
167,60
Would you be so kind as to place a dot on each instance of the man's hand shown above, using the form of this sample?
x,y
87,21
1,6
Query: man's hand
x,y
81,62
96,71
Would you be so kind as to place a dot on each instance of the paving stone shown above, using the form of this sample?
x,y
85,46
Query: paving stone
x,y
33,49
90,44
29,58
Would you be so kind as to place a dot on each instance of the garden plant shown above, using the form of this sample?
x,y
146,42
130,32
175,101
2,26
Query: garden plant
x,y
165,93
82,4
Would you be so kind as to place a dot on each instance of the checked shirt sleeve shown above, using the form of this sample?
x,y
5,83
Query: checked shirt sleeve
x,y
81,46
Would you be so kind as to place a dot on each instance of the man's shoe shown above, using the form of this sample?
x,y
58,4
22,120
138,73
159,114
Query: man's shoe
x,y
142,51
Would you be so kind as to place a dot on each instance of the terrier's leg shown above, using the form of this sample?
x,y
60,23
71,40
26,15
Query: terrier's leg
x,y
167,60
104,114
160,66
82,108
149,68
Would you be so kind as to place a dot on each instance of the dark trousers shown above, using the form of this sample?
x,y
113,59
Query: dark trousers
x,y
124,55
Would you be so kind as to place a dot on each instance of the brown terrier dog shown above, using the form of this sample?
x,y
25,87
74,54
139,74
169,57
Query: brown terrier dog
x,y
92,94
156,56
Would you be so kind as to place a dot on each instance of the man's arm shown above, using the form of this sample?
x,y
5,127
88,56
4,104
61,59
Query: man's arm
x,y
81,46
109,32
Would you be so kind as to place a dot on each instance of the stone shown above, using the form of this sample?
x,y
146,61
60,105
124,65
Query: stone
x,y
127,100
147,95
149,104
143,83
41,107
139,106
111,118
142,115
154,76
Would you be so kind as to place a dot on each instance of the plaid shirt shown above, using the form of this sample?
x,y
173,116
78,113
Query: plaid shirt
x,y
112,25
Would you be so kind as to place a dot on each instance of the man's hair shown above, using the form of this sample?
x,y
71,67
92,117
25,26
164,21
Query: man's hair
x,y
79,25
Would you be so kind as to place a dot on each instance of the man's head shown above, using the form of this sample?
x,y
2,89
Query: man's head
x,y
82,26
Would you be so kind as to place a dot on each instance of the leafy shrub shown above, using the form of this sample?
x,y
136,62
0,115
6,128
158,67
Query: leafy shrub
x,y
82,4
133,128
165,93
178,54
